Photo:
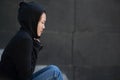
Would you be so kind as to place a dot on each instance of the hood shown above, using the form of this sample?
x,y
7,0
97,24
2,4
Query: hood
x,y
28,17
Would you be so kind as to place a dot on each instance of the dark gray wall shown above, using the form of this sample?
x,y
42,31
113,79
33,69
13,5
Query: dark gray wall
x,y
82,36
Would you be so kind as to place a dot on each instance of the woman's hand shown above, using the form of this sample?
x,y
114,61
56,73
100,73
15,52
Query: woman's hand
x,y
36,39
37,44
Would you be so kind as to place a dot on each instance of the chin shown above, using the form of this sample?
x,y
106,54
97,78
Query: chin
x,y
39,34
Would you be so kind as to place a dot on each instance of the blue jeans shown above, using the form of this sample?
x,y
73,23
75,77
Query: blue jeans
x,y
48,73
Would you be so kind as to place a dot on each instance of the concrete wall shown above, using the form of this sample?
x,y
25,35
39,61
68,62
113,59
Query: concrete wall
x,y
82,36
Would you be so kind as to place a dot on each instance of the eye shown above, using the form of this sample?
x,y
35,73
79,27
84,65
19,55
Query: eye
x,y
42,22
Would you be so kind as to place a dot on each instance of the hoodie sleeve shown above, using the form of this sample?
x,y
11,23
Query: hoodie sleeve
x,y
23,59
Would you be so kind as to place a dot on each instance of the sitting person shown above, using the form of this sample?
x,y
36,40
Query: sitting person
x,y
19,57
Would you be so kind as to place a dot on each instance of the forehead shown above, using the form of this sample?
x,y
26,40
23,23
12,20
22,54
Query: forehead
x,y
43,17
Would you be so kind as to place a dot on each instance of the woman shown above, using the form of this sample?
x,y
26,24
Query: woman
x,y
19,57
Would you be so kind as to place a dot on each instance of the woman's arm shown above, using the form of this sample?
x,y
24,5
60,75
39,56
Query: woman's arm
x,y
23,59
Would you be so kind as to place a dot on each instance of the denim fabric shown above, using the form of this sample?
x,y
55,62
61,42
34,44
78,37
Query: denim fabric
x,y
51,72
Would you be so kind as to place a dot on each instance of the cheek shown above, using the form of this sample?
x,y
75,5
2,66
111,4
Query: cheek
x,y
39,27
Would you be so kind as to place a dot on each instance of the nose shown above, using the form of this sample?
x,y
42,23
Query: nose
x,y
43,26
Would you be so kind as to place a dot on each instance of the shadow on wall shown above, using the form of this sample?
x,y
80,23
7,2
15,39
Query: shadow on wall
x,y
38,67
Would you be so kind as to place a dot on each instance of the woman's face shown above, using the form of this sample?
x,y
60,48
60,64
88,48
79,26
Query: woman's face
x,y
41,24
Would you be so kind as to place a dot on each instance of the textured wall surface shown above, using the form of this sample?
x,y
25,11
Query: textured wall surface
x,y
82,37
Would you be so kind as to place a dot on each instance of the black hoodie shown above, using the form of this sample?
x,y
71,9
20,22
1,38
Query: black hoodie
x,y
28,16
19,57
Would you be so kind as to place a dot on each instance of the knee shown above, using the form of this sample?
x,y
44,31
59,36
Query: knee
x,y
54,67
56,72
